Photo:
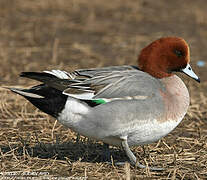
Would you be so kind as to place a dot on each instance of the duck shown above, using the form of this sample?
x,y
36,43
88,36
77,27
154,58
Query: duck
x,y
123,105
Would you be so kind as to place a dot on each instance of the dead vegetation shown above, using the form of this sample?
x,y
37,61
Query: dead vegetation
x,y
39,35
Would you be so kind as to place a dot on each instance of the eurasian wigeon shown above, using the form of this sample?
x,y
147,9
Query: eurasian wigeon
x,y
120,105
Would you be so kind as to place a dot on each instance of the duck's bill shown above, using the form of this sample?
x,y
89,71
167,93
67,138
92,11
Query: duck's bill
x,y
188,71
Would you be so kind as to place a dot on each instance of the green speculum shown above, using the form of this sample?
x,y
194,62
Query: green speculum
x,y
99,101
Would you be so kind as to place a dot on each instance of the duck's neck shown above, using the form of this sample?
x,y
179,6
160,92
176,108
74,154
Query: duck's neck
x,y
176,98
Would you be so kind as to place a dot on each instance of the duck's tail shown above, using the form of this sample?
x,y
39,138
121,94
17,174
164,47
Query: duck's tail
x,y
47,99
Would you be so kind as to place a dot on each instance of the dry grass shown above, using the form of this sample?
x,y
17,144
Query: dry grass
x,y
39,35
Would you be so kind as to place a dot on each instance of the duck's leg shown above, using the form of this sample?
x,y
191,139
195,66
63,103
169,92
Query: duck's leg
x,y
77,140
130,155
133,159
106,156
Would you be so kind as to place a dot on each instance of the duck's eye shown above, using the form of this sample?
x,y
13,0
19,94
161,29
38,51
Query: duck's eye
x,y
178,53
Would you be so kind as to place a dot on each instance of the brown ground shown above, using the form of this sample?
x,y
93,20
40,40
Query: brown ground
x,y
62,34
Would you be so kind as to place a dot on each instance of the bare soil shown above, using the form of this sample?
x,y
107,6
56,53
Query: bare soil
x,y
69,34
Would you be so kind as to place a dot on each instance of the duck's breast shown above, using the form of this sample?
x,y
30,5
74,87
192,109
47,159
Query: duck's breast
x,y
175,98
